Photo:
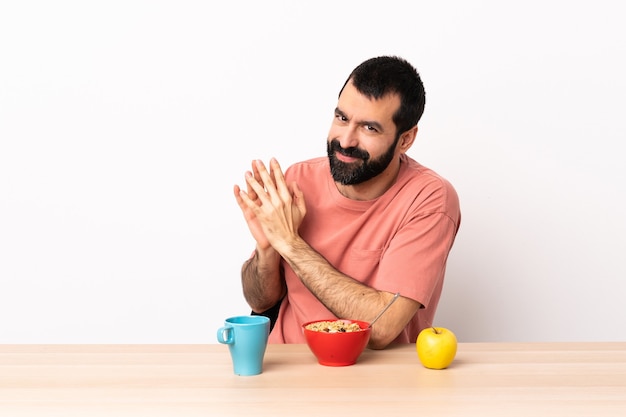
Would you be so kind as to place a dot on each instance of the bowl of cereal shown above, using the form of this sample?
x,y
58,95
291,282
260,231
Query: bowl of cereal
x,y
337,342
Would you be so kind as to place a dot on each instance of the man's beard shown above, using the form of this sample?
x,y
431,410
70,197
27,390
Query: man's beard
x,y
352,173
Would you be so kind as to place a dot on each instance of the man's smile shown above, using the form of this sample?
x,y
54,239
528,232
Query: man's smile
x,y
344,158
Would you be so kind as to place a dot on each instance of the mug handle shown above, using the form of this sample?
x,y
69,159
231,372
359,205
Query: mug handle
x,y
228,330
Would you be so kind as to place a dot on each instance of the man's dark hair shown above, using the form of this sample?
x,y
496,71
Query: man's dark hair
x,y
384,75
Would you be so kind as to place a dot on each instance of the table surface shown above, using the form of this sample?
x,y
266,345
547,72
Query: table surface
x,y
499,379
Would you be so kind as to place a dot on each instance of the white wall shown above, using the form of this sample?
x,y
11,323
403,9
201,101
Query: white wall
x,y
124,126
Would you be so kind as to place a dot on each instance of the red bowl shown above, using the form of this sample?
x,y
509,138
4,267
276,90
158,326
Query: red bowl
x,y
337,349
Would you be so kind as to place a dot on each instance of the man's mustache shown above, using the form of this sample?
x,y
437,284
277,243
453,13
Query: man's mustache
x,y
352,152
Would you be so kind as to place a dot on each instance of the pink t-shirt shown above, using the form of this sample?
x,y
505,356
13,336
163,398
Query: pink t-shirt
x,y
398,242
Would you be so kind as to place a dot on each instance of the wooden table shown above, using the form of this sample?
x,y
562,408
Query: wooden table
x,y
500,379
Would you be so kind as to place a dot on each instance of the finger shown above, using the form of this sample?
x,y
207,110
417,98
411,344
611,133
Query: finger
x,y
257,177
260,192
255,171
247,205
250,191
236,191
279,180
268,182
298,198
240,197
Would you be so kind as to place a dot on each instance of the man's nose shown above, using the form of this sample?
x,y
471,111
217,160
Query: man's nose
x,y
348,137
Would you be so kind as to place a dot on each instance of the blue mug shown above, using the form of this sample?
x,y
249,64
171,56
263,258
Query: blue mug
x,y
246,337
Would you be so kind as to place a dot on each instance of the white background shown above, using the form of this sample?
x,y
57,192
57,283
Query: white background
x,y
124,126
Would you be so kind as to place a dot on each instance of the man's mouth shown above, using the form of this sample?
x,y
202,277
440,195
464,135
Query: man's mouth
x,y
346,155
345,158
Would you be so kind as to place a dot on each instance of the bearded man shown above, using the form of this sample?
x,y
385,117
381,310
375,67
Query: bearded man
x,y
338,236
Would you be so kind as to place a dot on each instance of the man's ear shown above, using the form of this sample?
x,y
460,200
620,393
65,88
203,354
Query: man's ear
x,y
407,139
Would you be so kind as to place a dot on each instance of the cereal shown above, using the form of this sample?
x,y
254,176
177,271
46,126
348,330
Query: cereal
x,y
337,326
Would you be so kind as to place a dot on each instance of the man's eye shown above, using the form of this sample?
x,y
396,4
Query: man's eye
x,y
370,128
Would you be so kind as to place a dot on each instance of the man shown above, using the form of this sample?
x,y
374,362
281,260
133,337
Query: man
x,y
339,236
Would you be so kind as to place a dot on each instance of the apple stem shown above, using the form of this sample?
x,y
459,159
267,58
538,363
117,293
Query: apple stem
x,y
435,330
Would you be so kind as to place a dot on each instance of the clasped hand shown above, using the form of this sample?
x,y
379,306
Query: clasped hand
x,y
273,210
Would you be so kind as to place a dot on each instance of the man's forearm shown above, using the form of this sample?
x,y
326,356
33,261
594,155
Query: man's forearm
x,y
262,281
347,298
342,295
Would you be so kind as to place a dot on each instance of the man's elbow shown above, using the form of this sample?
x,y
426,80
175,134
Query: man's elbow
x,y
380,341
